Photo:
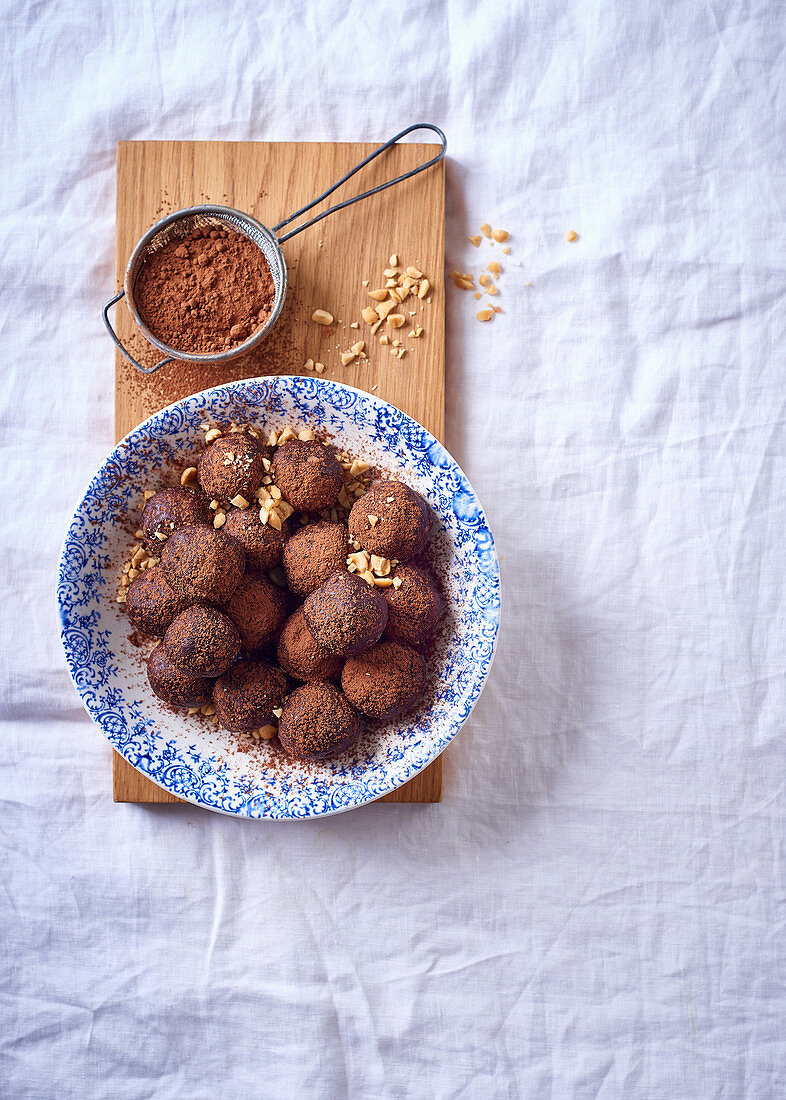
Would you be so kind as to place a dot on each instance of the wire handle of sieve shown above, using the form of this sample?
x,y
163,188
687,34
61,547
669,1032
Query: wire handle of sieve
x,y
373,191
119,346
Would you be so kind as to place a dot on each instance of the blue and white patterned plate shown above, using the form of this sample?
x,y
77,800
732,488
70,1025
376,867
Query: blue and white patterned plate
x,y
192,758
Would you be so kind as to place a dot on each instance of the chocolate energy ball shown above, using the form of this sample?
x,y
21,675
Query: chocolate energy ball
x,y
170,509
300,654
151,604
391,520
414,608
258,609
202,641
263,544
345,614
230,466
173,686
246,695
385,681
308,474
313,554
202,564
317,722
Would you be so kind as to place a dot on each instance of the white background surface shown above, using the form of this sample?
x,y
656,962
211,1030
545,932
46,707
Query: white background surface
x,y
597,907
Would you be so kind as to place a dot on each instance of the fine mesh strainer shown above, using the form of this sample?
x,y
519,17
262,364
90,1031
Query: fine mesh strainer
x,y
182,222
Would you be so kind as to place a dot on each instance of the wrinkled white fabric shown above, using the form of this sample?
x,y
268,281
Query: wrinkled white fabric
x,y
597,907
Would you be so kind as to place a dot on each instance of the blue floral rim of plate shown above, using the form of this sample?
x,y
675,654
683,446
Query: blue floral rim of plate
x,y
173,751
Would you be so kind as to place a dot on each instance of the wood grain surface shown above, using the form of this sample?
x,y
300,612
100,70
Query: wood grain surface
x,y
327,265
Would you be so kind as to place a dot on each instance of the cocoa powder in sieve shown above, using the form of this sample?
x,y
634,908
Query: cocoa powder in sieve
x,y
205,292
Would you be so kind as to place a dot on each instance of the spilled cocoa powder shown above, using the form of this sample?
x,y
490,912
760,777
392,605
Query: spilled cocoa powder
x,y
206,292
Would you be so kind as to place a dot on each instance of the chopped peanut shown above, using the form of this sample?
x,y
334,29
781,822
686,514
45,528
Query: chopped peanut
x,y
322,317
499,235
474,240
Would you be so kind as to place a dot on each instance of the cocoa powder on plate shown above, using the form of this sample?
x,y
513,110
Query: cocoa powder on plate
x,y
206,292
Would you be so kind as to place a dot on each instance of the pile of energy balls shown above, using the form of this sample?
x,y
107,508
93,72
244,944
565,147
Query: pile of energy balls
x,y
275,619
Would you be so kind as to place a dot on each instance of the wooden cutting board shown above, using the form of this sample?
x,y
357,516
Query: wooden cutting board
x,y
327,265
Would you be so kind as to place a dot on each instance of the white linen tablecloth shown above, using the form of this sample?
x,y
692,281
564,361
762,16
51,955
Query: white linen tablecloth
x,y
597,907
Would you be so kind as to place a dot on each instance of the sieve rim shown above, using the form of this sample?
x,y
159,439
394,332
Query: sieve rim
x,y
219,211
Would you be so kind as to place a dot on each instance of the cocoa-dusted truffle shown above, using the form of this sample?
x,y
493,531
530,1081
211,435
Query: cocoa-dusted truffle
x,y
317,722
245,696
151,604
170,509
345,614
261,541
203,564
414,606
300,654
385,681
230,466
202,641
313,554
258,609
174,686
308,474
391,520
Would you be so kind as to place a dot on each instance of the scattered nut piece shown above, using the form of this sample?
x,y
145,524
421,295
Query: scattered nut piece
x,y
364,283
384,308
139,534
369,315
506,251
378,295
424,288
354,324
474,240
287,434
485,229
401,353
500,235
161,536
188,475
322,317
272,439
274,520
389,272
278,711
477,295
358,347
239,502
214,433
266,732
149,493
383,338
571,235
367,576
320,368
306,435
373,520
376,325
484,279
219,519
308,365
359,561
213,505
393,261
485,314
265,464
494,268
380,565
208,709
275,492
396,320
347,357
382,582
397,582
491,289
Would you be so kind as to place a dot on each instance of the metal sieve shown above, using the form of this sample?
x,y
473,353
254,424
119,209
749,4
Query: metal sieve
x,y
183,222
